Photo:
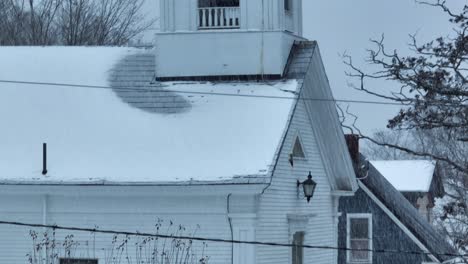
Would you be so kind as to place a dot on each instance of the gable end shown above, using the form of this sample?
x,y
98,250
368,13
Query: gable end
x,y
323,116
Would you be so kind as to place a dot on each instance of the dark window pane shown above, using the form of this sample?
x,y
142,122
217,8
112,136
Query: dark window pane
x,y
359,228
297,249
217,3
78,261
298,152
360,255
287,5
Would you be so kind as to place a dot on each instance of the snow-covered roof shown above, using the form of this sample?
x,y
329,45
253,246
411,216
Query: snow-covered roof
x,y
404,211
407,175
121,135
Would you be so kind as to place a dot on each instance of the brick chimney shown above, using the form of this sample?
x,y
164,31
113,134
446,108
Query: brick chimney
x,y
352,141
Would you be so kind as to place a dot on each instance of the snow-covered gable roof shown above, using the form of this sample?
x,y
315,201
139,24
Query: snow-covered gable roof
x,y
121,135
407,175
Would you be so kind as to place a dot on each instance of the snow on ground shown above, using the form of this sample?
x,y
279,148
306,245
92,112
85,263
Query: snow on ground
x,y
407,175
94,136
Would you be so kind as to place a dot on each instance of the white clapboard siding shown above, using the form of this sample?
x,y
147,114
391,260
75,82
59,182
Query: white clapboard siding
x,y
15,242
281,198
140,214
126,213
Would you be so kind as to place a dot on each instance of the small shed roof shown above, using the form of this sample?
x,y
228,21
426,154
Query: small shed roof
x,y
124,128
407,175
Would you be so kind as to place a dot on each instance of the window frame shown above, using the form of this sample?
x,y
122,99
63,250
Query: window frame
x,y
349,217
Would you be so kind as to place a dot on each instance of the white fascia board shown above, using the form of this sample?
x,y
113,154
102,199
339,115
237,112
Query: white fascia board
x,y
148,190
398,222
343,193
350,174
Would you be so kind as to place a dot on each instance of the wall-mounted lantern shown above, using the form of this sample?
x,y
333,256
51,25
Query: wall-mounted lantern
x,y
308,187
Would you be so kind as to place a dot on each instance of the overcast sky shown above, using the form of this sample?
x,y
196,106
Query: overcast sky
x,y
347,25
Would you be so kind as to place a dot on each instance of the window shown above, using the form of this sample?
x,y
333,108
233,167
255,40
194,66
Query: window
x,y
78,261
297,249
298,151
359,237
218,14
217,3
287,5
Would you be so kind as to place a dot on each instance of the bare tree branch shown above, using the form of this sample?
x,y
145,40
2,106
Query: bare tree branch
x,y
432,88
71,22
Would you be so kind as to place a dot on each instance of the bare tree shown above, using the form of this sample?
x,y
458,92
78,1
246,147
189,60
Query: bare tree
x,y
75,22
71,22
433,92
117,21
394,137
12,24
423,141
42,14
104,22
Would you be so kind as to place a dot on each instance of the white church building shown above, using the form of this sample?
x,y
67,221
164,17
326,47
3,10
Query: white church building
x,y
214,130
231,37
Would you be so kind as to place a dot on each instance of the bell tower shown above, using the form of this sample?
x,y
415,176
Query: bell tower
x,y
200,38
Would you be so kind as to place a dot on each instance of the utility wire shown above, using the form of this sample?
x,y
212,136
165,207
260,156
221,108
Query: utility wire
x,y
129,89
95,230
219,240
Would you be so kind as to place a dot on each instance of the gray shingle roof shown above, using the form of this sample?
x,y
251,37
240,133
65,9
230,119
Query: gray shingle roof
x,y
407,214
132,79
300,59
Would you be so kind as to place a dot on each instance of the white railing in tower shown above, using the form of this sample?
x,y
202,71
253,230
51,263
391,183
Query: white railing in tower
x,y
218,17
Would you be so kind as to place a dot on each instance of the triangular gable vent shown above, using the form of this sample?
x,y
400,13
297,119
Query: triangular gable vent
x,y
298,151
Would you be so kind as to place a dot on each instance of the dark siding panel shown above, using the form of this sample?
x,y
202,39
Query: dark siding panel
x,y
386,234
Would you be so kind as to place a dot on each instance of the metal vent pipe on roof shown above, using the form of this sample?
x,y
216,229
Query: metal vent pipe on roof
x,y
44,159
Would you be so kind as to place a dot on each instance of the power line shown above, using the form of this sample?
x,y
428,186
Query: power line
x,y
219,240
124,89
128,89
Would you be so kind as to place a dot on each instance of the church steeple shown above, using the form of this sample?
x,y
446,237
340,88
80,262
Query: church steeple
x,y
226,37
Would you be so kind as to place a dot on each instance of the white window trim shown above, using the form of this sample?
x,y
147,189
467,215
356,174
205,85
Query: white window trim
x,y
348,236
298,222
